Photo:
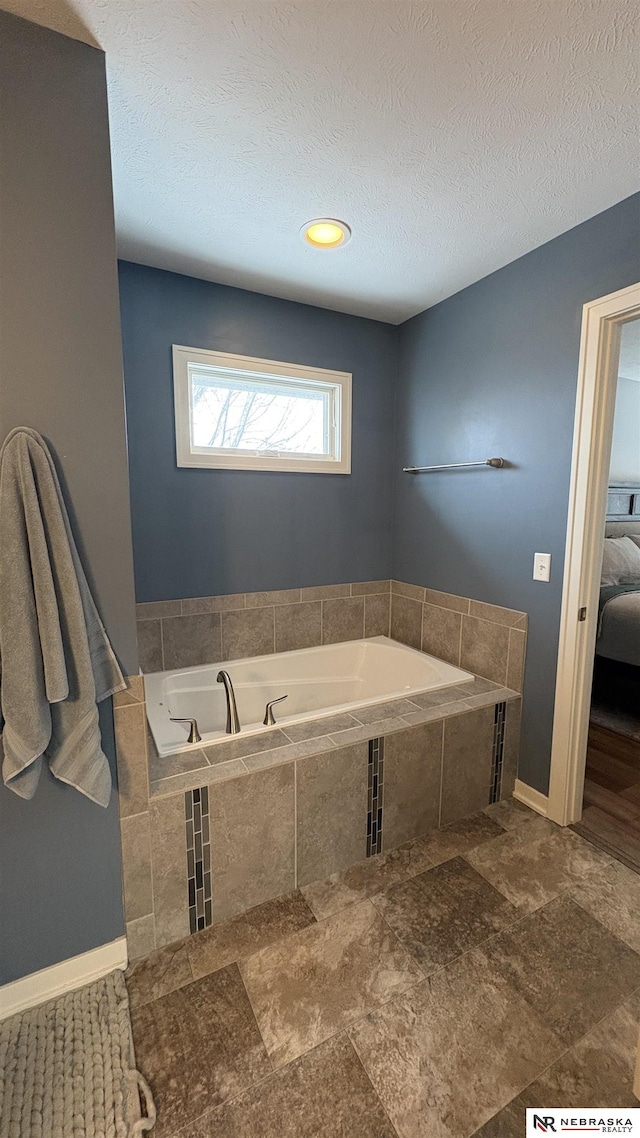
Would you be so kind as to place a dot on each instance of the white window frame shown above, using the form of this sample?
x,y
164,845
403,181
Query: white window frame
x,y
189,455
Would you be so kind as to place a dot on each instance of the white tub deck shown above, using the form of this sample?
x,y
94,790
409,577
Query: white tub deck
x,y
317,681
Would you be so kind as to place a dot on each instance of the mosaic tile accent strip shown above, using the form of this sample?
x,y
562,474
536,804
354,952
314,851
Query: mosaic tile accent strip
x,y
196,809
374,802
499,718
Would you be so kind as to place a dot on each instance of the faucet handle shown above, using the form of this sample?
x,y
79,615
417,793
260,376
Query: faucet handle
x,y
269,720
194,734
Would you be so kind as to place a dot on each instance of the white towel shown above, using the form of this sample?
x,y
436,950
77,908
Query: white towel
x,y
56,662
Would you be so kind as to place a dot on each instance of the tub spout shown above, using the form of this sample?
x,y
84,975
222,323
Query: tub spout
x,y
233,722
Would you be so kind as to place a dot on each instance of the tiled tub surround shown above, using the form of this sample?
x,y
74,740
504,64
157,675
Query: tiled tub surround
x,y
304,809
485,639
297,811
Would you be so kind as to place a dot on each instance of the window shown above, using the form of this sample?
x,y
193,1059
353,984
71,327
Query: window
x,y
233,411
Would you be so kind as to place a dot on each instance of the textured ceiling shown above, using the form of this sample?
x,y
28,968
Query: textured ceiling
x,y
452,136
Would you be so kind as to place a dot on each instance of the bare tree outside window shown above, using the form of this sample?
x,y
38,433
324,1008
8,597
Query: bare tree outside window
x,y
245,418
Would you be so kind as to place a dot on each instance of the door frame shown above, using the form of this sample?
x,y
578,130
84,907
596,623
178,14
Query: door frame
x,y
602,320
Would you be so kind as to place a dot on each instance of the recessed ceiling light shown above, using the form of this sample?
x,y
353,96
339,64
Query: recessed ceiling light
x,y
325,233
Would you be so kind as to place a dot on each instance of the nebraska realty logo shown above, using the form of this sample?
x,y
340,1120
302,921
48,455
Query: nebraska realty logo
x,y
577,1121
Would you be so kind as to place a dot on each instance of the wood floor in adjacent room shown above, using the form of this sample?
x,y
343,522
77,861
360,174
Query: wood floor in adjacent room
x,y
611,818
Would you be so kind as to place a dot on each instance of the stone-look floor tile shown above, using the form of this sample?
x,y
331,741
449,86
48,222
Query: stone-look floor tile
x,y
169,868
252,826
454,1051
197,1047
191,640
612,896
509,813
325,1094
313,728
247,933
532,864
411,783
406,620
444,912
342,619
466,766
331,800
130,726
484,649
162,971
516,660
377,614
441,633
141,937
566,966
378,873
248,632
136,866
149,645
598,1070
298,626
510,1122
314,983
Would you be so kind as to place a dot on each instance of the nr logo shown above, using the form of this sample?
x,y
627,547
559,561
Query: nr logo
x,y
545,1123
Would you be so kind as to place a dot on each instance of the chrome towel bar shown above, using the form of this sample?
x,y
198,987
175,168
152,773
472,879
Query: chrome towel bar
x,y
496,462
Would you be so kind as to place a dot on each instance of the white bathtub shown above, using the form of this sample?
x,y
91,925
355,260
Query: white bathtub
x,y
317,682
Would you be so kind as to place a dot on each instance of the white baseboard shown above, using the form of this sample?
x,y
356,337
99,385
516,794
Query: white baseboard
x,y
531,797
63,977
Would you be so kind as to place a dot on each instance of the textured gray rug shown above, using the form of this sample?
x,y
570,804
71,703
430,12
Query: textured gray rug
x,y
67,1068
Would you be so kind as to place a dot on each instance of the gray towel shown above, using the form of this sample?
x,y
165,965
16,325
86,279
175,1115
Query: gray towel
x,y
56,661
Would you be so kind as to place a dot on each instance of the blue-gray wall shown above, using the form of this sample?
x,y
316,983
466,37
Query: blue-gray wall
x,y
493,371
61,372
204,532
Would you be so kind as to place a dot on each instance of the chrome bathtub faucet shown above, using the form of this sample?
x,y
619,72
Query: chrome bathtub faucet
x,y
269,720
233,722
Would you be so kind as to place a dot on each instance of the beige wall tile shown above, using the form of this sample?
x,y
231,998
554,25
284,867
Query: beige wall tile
x,y
441,633
156,609
411,783
298,626
169,868
272,597
248,633
133,694
150,645
193,605
516,661
136,866
360,587
511,752
324,592
203,777
252,840
447,600
287,754
403,589
130,725
484,650
466,767
377,614
406,620
495,613
342,619
191,640
331,811
141,937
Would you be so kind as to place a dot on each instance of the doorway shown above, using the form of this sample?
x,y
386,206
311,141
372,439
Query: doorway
x,y
603,324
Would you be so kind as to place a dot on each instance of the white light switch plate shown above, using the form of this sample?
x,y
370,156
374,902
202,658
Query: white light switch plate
x,y
541,566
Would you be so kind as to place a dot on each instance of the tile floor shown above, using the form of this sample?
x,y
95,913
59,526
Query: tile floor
x,y
433,992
